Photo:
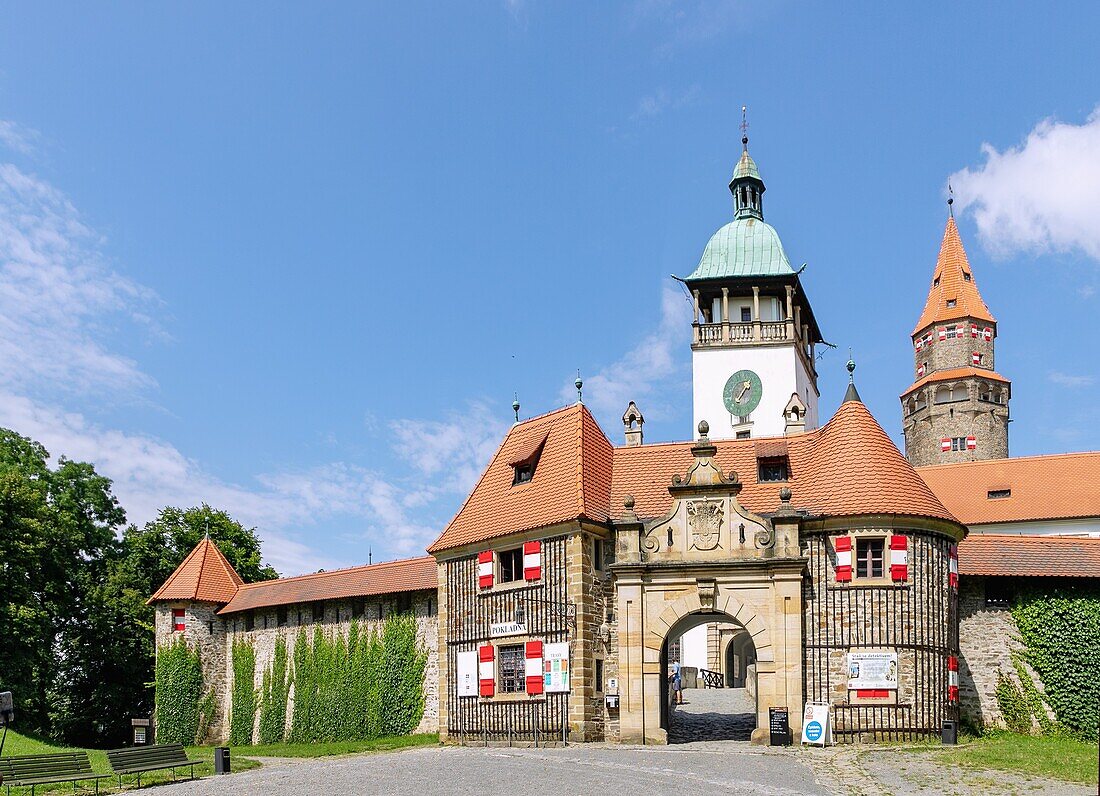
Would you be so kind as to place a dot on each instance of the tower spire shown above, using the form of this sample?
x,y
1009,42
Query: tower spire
x,y
745,185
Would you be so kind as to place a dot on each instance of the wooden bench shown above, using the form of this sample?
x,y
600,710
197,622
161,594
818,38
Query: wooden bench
x,y
33,770
139,759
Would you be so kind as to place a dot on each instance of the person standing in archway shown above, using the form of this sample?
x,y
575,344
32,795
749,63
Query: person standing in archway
x,y
677,684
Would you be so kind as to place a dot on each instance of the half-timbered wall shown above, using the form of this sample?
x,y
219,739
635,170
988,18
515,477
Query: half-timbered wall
x,y
917,619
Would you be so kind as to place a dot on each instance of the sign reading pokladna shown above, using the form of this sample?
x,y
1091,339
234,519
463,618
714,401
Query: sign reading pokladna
x,y
555,667
872,670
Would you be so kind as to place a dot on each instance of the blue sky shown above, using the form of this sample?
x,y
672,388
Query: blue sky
x,y
296,261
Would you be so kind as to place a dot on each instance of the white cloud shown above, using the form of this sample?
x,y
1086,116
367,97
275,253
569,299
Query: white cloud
x,y
59,299
17,138
663,100
1043,195
644,372
1070,380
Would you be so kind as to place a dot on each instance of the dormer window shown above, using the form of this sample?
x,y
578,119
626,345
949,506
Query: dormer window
x,y
773,469
966,277
951,304
526,460
998,494
936,282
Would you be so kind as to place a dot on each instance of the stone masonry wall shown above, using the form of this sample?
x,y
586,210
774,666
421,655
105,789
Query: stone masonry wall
x,y
214,636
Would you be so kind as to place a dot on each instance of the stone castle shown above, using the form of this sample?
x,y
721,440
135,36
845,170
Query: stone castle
x,y
800,560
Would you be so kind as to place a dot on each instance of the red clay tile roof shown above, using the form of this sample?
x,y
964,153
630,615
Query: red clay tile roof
x,y
571,481
204,576
848,467
1028,555
1062,486
954,374
949,282
391,577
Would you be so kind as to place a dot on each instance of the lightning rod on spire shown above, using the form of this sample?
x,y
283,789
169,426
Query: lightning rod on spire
x,y
745,127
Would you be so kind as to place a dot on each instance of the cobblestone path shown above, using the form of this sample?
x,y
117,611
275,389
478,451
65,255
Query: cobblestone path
x,y
713,714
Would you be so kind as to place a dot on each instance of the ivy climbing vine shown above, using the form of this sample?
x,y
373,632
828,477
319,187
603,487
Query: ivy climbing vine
x,y
273,701
179,691
242,711
1060,628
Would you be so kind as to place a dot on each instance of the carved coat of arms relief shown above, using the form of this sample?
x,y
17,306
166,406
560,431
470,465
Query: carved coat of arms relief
x,y
705,522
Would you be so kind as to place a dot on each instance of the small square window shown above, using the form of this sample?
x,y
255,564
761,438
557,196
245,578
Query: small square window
x,y
743,434
523,473
998,494
513,669
772,469
951,304
958,444
966,276
746,315
511,565
869,557
179,620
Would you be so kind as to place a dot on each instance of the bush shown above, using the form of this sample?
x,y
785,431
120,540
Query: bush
x,y
179,685
242,712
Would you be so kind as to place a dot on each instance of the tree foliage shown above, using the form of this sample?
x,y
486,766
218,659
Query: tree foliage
x,y
76,647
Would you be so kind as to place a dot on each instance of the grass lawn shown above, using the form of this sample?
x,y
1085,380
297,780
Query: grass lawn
x,y
17,744
1055,757
338,747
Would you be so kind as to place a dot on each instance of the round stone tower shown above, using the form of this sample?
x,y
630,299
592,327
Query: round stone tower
x,y
956,409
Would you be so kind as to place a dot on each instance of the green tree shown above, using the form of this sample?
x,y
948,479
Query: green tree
x,y
57,533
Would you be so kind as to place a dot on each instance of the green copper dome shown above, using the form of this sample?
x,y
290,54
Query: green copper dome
x,y
744,247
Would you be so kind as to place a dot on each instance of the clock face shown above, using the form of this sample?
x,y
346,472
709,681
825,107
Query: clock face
x,y
742,392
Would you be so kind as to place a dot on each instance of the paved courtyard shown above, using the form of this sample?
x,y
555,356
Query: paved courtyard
x,y
713,714
691,769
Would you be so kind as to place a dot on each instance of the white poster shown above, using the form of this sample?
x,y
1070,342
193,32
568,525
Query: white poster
x,y
817,724
555,663
466,664
872,670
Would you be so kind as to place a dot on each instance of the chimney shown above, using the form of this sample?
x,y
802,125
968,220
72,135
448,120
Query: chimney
x,y
632,425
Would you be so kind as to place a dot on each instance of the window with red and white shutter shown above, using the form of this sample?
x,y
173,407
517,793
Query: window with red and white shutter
x,y
533,666
975,358
899,557
945,444
843,547
973,330
485,569
987,333
971,443
943,334
532,560
486,670
179,620
953,567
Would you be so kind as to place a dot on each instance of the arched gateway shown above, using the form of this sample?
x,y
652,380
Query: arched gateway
x,y
707,557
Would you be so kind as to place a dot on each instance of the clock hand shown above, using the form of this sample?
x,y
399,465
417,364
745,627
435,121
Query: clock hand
x,y
744,388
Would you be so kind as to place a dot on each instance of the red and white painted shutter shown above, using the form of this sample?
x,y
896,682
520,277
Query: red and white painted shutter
x,y
485,569
987,333
976,358
179,621
843,547
952,679
532,560
973,330
920,370
899,557
953,567
971,443
532,652
486,670
943,334
945,444
920,344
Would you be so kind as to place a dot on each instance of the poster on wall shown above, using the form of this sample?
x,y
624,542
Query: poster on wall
x,y
466,667
555,662
872,670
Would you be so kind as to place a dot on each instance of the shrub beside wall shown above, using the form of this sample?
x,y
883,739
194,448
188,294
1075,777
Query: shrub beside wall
x,y
179,686
242,711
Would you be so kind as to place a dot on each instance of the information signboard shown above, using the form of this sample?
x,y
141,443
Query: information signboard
x,y
817,724
466,666
555,662
779,726
872,670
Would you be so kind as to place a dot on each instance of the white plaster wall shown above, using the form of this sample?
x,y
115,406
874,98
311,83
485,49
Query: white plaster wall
x,y
1085,526
781,372
693,647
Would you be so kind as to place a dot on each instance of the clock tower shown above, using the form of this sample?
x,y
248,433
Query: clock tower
x,y
753,332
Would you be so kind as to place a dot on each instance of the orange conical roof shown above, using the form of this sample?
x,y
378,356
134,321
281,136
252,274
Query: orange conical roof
x,y
204,576
954,292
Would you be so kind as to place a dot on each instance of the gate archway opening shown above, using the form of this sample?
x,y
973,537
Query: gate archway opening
x,y
712,709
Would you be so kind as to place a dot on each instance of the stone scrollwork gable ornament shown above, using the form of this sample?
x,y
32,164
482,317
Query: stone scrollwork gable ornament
x,y
706,521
